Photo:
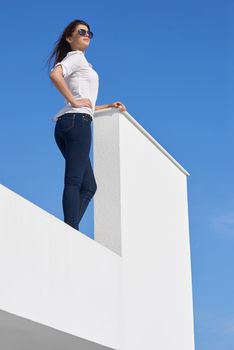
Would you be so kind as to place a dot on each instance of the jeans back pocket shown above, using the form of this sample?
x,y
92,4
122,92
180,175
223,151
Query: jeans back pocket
x,y
66,122
86,119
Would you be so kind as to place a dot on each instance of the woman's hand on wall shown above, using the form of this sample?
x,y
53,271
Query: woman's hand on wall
x,y
119,105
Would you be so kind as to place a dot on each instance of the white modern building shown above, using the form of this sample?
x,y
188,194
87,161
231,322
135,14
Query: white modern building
x,y
129,288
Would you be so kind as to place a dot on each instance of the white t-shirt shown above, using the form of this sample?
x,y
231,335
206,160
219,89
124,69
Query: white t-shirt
x,y
81,79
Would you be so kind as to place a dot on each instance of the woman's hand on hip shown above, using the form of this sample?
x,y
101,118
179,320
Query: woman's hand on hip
x,y
82,102
119,105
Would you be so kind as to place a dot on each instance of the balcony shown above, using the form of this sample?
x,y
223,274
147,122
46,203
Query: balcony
x,y
129,288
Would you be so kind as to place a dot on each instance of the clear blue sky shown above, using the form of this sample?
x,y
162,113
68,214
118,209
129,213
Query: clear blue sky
x,y
171,63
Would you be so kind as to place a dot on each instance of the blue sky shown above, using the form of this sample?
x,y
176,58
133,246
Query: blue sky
x,y
171,64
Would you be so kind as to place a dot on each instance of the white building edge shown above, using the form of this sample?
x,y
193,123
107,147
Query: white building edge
x,y
128,289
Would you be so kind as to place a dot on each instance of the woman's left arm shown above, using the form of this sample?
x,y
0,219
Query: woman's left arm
x,y
101,107
117,104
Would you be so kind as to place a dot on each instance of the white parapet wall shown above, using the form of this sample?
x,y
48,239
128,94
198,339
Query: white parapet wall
x,y
56,276
143,190
128,289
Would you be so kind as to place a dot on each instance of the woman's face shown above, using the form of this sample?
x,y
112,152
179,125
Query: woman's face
x,y
78,42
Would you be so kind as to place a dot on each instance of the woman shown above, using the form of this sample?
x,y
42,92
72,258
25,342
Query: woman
x,y
78,82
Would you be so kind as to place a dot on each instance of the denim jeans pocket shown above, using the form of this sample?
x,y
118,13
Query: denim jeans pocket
x,y
85,119
66,123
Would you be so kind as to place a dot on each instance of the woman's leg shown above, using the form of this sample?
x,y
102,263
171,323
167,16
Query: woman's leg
x,y
74,140
87,190
78,142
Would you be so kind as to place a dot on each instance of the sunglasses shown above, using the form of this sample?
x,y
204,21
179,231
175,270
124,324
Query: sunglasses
x,y
83,32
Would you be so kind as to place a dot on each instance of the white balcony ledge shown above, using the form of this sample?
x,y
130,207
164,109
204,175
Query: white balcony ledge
x,y
128,289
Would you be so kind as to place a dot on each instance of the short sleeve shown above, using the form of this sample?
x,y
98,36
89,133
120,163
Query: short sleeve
x,y
70,64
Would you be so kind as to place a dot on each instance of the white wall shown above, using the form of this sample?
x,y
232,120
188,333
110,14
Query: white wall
x,y
106,163
153,232
131,287
52,274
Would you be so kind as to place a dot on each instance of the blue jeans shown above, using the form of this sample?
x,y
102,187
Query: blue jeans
x,y
73,136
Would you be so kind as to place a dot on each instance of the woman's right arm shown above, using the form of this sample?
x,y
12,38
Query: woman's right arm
x,y
56,76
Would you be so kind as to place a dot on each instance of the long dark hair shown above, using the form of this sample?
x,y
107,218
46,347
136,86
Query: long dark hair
x,y
62,47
